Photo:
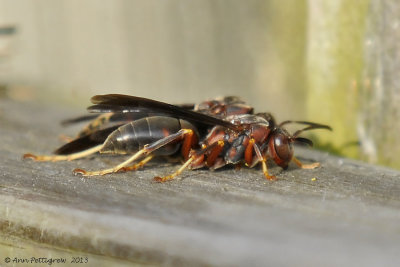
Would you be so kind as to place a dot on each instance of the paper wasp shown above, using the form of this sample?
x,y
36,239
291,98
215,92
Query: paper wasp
x,y
212,134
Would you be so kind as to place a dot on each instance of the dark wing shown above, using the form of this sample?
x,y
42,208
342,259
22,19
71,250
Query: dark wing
x,y
137,114
79,119
111,119
125,103
86,141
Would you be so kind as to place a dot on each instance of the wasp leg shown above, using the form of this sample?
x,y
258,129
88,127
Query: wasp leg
x,y
95,124
265,170
114,169
172,176
65,138
188,142
248,153
215,149
136,166
263,160
306,166
73,156
146,150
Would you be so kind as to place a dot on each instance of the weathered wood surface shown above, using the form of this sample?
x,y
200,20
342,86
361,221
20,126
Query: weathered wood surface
x,y
348,216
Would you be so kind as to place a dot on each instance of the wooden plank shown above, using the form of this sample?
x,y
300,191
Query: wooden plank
x,y
347,216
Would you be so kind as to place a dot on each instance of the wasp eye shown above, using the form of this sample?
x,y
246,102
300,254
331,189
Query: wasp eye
x,y
281,149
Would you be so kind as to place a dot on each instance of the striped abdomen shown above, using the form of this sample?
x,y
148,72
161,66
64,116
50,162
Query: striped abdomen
x,y
133,136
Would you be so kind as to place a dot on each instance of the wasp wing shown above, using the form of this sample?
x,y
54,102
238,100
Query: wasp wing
x,y
137,114
126,103
79,119
87,141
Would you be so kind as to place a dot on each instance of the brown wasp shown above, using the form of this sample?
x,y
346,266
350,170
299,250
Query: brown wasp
x,y
212,134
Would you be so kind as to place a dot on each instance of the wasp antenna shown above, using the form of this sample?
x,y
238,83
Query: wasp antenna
x,y
316,125
303,141
284,122
311,127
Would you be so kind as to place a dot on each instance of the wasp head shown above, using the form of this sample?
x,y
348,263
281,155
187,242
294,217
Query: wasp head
x,y
281,143
280,147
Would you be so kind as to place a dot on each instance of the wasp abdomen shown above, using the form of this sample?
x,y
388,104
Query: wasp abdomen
x,y
135,135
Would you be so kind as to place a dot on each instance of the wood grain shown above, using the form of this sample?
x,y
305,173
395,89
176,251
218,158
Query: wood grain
x,y
344,213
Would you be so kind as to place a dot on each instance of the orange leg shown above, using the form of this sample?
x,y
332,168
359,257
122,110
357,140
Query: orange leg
x,y
136,166
64,157
248,153
265,170
189,141
306,166
263,160
176,173
95,124
65,138
215,150
145,151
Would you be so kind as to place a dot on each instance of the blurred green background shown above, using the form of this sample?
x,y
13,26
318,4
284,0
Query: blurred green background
x,y
333,62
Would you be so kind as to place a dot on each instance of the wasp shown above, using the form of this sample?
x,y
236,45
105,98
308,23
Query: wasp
x,y
211,134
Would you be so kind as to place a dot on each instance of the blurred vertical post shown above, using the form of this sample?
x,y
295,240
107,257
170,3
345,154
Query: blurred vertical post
x,y
280,73
6,34
379,124
336,34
